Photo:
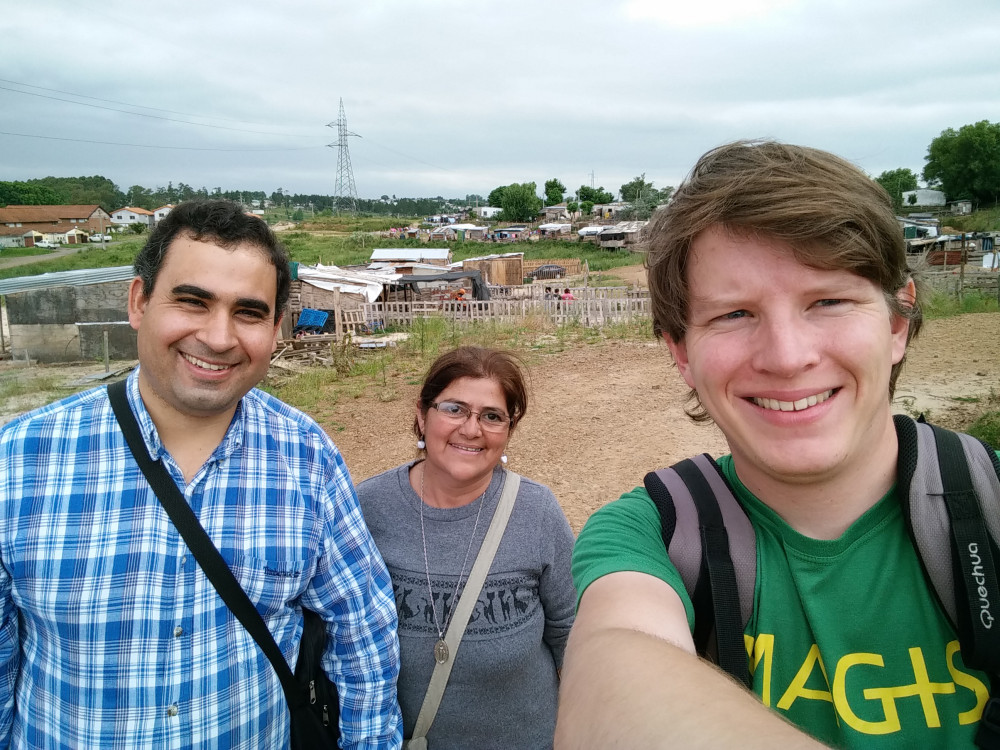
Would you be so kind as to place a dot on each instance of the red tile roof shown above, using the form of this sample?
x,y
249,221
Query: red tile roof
x,y
141,211
35,214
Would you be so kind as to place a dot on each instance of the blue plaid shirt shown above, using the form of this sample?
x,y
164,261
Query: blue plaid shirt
x,y
110,634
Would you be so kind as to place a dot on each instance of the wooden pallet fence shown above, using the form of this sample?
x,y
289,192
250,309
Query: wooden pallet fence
x,y
573,266
595,311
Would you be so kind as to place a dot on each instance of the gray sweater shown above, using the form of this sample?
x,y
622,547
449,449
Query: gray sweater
x,y
502,689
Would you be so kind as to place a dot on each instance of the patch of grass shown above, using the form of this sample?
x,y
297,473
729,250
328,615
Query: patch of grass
x,y
308,391
119,254
12,386
23,252
348,223
944,305
987,427
986,220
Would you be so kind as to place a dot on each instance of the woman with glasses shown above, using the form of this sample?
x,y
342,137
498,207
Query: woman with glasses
x,y
429,518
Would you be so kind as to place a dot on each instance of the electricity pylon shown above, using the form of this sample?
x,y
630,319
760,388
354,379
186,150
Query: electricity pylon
x,y
345,195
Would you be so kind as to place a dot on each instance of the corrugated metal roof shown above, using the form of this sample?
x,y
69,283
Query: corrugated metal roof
x,y
83,277
410,253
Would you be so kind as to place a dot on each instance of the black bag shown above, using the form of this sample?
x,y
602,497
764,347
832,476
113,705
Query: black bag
x,y
312,699
322,725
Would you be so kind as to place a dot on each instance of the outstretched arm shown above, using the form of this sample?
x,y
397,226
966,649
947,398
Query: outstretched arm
x,y
631,679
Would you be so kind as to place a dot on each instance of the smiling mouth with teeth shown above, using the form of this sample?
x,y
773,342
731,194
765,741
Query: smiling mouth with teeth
x,y
773,404
204,365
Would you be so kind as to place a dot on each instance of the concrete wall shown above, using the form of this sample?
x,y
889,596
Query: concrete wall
x,y
44,322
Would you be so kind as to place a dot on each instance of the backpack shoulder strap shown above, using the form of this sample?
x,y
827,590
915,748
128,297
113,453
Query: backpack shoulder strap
x,y
949,487
712,544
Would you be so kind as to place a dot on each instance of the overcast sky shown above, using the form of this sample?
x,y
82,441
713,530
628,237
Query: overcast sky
x,y
452,97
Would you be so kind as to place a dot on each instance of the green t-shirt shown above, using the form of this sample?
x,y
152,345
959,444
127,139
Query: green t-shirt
x,y
846,640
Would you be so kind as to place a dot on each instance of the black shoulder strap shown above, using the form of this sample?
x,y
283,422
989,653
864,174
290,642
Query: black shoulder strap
x,y
200,544
712,544
949,486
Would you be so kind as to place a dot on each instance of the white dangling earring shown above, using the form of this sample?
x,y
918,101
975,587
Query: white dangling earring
x,y
421,444
503,458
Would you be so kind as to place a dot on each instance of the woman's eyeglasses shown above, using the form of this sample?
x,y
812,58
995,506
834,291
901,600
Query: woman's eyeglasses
x,y
490,420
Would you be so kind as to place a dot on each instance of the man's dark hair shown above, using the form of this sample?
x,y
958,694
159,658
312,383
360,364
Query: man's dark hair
x,y
219,221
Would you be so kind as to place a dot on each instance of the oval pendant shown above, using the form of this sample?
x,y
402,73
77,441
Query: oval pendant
x,y
441,651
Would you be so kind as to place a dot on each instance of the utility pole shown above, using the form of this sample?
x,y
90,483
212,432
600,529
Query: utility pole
x,y
344,192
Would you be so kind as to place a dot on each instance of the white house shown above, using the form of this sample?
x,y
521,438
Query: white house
x,y
924,197
159,214
488,212
129,215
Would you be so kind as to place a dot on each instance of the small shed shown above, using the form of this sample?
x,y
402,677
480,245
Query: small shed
x,y
506,269
611,238
64,316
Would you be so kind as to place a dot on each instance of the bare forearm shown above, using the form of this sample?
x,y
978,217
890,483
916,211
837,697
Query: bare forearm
x,y
625,689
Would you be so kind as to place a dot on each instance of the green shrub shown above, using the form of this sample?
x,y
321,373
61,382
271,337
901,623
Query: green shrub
x,y
987,427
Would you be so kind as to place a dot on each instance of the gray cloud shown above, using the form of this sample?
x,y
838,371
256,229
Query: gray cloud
x,y
452,97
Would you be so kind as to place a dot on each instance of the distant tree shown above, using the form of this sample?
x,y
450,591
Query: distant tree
x,y
83,191
554,192
632,191
572,207
519,202
475,200
593,195
586,207
896,182
139,197
25,194
642,198
496,196
966,163
912,200
297,215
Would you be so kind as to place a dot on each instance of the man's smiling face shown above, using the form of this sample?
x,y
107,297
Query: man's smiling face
x,y
207,331
791,362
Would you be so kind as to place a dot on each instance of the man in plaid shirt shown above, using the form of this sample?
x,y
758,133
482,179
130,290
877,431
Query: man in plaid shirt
x,y
110,634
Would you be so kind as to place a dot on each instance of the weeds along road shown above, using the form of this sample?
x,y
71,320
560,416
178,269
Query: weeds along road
x,y
24,260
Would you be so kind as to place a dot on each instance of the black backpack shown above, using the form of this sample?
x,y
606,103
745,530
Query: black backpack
x,y
949,485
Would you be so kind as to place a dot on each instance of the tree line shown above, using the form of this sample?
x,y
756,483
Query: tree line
x,y
520,202
77,191
964,164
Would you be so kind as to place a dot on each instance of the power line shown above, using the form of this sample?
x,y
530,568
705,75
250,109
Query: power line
x,y
153,117
125,104
169,148
407,156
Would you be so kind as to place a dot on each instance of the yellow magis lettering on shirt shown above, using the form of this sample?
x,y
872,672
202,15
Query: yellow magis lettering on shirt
x,y
760,652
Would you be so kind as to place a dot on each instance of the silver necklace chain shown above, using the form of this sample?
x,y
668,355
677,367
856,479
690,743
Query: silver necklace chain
x,y
427,567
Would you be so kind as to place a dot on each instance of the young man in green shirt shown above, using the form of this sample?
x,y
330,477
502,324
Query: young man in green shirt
x,y
779,282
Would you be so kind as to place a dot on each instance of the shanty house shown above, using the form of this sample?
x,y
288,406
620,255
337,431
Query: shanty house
x,y
63,317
